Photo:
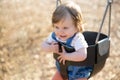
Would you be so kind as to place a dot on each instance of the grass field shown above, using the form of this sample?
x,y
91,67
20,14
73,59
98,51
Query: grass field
x,y
24,24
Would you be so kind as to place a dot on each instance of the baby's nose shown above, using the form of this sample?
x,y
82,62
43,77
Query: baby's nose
x,y
61,31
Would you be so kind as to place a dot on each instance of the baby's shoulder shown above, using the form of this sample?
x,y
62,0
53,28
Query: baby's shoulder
x,y
79,36
49,38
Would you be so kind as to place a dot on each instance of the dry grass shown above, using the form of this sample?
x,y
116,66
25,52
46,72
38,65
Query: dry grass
x,y
25,23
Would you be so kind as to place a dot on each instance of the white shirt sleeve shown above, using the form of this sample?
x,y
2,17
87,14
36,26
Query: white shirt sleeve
x,y
79,41
50,39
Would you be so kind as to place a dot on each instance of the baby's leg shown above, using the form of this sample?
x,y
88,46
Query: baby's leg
x,y
82,79
57,76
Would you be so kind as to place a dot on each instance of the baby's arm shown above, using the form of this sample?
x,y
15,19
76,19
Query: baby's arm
x,y
79,55
49,47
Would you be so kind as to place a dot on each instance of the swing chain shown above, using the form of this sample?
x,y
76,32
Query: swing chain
x,y
58,2
109,23
110,1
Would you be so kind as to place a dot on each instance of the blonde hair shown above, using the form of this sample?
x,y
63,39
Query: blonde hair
x,y
68,8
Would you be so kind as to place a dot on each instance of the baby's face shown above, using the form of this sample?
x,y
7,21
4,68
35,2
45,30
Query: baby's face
x,y
65,28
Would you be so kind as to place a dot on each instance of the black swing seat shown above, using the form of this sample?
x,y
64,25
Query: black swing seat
x,y
97,53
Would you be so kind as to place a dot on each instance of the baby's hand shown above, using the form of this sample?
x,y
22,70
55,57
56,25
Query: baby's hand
x,y
62,56
54,47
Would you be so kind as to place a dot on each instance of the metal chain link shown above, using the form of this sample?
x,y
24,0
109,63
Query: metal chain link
x,y
58,2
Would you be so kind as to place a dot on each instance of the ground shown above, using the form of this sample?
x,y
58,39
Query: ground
x,y
24,24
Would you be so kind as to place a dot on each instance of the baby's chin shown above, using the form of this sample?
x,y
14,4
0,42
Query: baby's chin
x,y
63,39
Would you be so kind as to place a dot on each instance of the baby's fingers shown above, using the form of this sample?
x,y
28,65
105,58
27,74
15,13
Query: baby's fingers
x,y
54,43
61,60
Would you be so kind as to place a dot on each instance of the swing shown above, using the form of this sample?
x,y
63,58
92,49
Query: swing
x,y
97,51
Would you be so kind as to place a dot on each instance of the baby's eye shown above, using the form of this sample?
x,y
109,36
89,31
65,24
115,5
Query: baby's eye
x,y
56,27
65,27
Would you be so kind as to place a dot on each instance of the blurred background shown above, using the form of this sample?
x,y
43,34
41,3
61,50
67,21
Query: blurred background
x,y
24,24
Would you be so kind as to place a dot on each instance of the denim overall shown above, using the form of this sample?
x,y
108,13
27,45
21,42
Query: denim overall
x,y
73,72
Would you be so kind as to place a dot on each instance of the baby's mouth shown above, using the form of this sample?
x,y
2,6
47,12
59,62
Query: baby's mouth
x,y
62,36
